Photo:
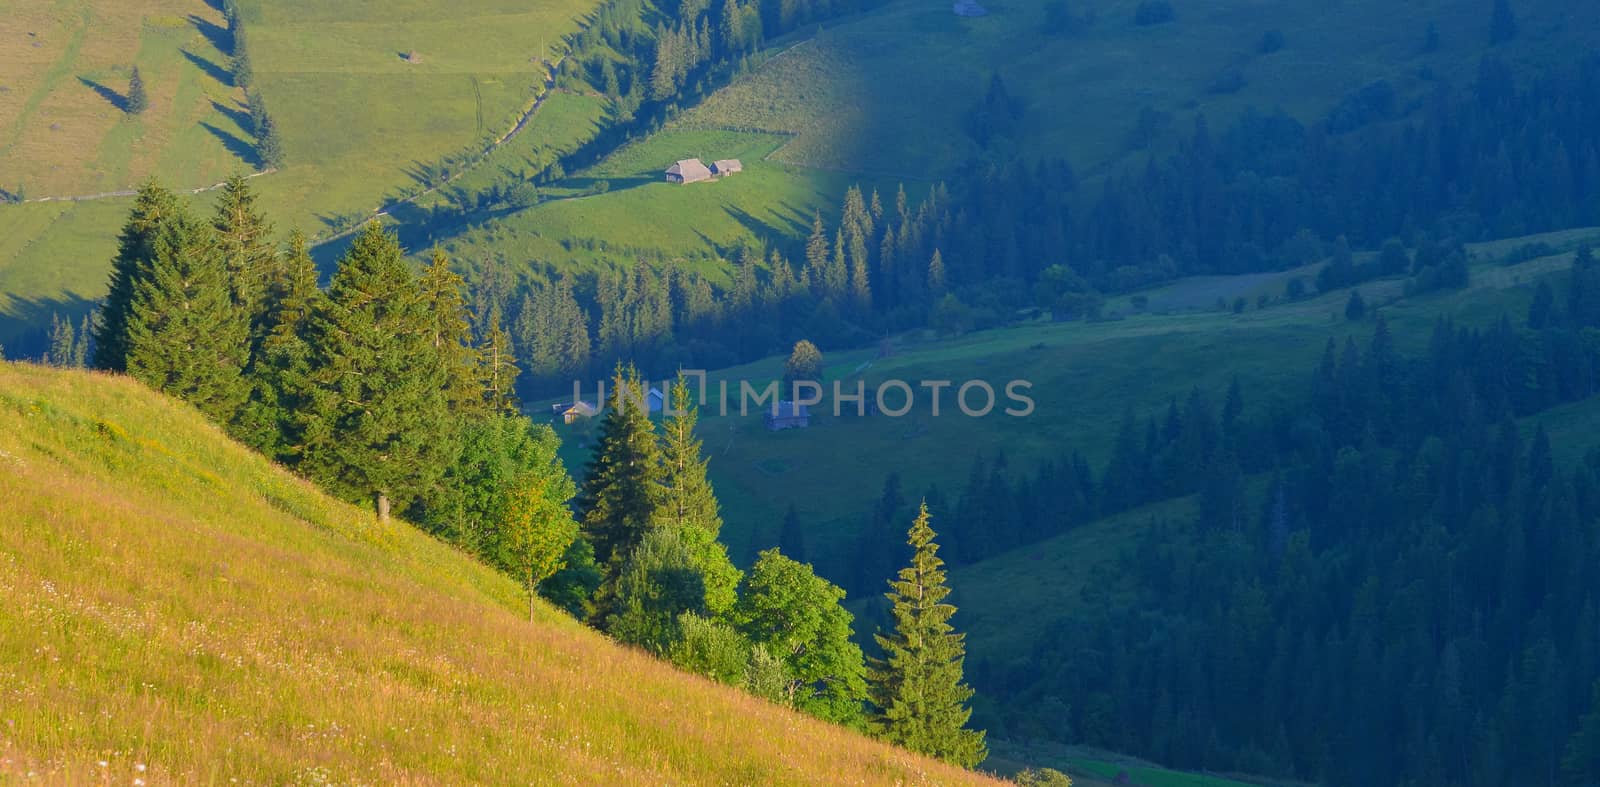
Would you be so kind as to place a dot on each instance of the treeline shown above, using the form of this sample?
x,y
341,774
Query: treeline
x,y
1392,584
383,391
1496,159
269,148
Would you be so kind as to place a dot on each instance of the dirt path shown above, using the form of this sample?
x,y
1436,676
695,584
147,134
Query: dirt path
x,y
132,192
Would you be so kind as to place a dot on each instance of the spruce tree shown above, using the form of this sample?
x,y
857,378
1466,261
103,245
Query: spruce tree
x,y
451,334
497,366
280,371
689,505
153,207
244,238
936,275
184,335
63,344
378,410
917,687
137,101
621,486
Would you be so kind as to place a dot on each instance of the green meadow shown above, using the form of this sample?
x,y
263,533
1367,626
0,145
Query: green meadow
x,y
639,212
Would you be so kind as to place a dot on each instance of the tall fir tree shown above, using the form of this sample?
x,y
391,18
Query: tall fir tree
x,y
137,101
451,333
497,366
621,487
153,207
379,404
280,372
244,239
917,687
688,503
63,342
185,336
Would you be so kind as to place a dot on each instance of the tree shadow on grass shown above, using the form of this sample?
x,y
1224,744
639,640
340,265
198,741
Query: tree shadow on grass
x,y
219,36
236,114
116,99
235,144
212,69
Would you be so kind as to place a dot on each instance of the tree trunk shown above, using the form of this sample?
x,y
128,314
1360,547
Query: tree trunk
x,y
383,507
533,593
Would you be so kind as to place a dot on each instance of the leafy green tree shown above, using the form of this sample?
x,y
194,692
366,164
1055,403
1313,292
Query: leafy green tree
x,y
185,337
621,487
917,688
244,239
573,586
711,648
658,583
800,619
805,363
153,207
766,676
137,101
537,529
379,386
1042,777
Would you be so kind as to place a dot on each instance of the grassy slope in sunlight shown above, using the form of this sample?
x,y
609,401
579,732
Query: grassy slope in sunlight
x,y
171,602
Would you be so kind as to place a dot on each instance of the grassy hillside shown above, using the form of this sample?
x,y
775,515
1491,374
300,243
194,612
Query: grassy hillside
x,y
889,92
64,85
357,120
175,608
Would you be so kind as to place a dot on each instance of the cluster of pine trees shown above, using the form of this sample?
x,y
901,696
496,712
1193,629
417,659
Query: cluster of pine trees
x,y
667,585
381,390
376,388
1387,582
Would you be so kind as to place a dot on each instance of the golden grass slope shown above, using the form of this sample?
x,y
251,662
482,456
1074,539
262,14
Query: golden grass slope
x,y
176,609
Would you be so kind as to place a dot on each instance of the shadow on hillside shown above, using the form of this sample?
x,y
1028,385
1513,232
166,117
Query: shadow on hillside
x,y
219,36
117,99
238,115
212,69
766,233
25,323
235,144
612,184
